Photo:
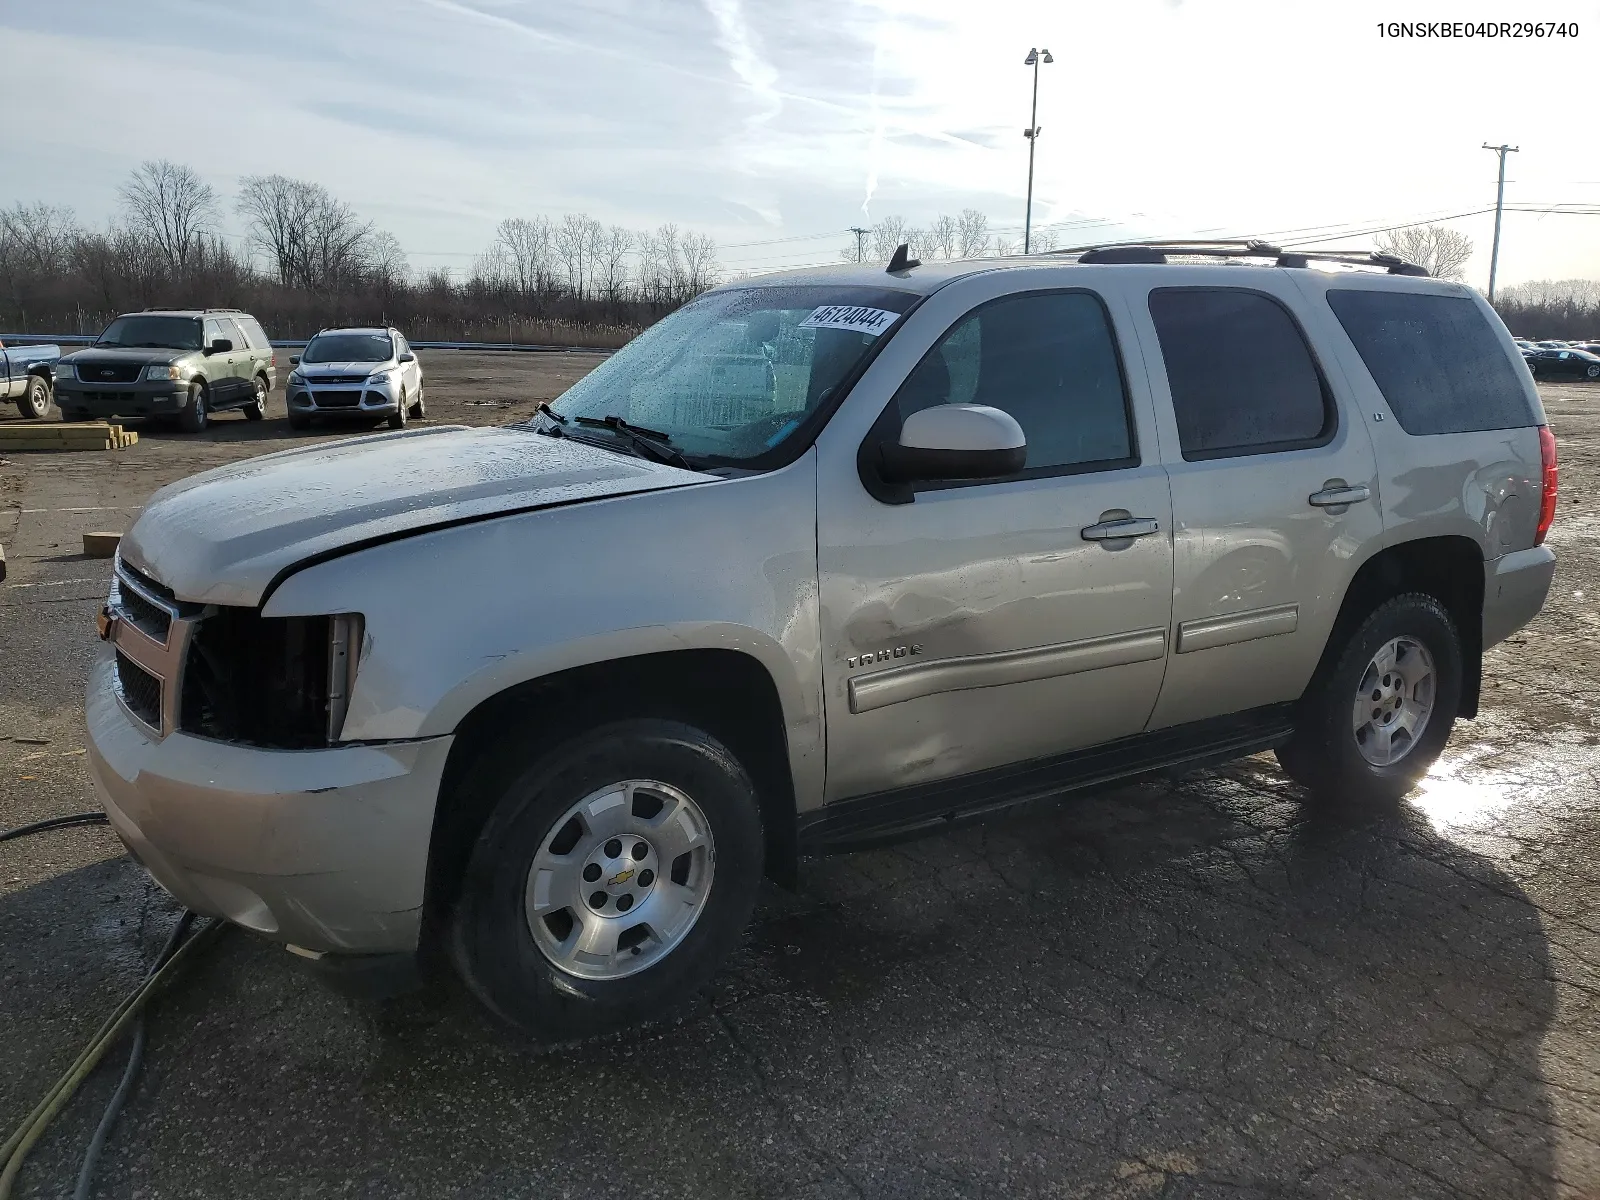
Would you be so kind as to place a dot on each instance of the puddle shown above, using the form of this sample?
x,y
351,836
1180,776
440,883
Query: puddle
x,y
1456,794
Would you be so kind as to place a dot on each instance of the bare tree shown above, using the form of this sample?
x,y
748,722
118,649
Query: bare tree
x,y
972,233
171,205
36,239
699,263
278,212
314,240
339,243
1440,250
527,252
943,237
887,235
574,241
611,262
386,259
663,277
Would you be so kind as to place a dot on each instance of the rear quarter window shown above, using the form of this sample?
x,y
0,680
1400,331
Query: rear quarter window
x,y
253,331
1436,359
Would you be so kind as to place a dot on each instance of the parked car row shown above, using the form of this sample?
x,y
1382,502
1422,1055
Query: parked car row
x,y
1561,360
187,364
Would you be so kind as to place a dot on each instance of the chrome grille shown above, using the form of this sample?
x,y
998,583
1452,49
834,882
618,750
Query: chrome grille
x,y
150,632
129,602
140,691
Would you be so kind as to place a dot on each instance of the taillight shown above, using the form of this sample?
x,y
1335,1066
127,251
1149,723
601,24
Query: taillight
x,y
1547,469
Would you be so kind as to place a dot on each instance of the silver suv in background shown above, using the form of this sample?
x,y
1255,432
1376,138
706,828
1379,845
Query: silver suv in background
x,y
817,560
364,372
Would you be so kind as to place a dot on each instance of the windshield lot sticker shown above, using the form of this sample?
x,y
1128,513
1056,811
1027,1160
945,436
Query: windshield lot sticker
x,y
870,321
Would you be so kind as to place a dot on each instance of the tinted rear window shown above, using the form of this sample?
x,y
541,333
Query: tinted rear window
x,y
253,330
1242,378
1436,360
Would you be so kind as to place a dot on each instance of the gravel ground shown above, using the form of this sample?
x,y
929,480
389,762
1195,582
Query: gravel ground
x,y
1190,987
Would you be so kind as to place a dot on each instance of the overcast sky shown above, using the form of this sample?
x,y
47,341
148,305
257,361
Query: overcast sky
x,y
761,120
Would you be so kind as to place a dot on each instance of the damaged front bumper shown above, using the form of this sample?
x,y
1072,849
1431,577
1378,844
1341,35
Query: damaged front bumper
x,y
326,850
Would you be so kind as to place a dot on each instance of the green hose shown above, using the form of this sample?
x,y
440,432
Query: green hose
x,y
26,1136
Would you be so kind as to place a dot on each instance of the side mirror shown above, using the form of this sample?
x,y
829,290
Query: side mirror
x,y
408,357
220,346
956,441
294,360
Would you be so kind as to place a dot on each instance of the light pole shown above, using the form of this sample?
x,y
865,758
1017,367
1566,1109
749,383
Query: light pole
x,y
1499,204
1035,57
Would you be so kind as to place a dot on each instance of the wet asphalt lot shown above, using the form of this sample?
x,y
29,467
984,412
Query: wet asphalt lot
x,y
1191,987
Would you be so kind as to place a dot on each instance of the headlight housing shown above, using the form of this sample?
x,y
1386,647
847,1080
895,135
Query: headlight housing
x,y
168,371
282,682
66,371
380,379
296,377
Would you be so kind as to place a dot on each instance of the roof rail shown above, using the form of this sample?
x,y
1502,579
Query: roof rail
x,y
1157,251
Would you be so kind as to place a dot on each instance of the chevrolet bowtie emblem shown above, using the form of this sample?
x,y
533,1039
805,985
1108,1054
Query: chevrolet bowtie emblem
x,y
623,878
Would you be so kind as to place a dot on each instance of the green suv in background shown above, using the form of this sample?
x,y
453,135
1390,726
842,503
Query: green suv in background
x,y
183,364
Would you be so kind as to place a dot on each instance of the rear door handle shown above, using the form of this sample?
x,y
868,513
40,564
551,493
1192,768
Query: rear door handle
x,y
1115,531
1340,496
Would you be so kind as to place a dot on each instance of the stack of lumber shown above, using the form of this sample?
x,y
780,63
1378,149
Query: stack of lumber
x,y
87,435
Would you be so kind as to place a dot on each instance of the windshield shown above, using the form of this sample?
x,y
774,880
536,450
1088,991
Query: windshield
x,y
733,374
349,347
173,333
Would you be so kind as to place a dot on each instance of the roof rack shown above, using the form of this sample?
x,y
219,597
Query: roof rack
x,y
1157,251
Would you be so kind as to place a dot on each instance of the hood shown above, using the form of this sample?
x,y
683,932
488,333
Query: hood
x,y
318,370
223,536
141,355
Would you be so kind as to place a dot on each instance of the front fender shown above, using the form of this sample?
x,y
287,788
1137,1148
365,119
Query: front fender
x,y
458,615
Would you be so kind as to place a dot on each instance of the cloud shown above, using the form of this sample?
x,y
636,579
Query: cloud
x,y
738,41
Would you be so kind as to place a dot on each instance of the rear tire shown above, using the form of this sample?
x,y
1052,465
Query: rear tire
x,y
419,410
1592,371
36,402
257,408
1370,726
194,415
580,804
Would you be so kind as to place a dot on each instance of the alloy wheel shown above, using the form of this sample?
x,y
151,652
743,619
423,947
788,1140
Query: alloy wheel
x,y
620,880
1394,701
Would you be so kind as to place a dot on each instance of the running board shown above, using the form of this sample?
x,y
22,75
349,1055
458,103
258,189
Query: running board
x,y
862,821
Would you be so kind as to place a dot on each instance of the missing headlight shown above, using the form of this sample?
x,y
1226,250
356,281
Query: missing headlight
x,y
282,682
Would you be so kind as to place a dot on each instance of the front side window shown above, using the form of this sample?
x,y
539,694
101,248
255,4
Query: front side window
x,y
1047,358
213,331
1242,378
166,333
348,347
731,376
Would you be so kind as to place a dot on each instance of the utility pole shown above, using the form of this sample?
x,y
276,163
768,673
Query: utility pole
x,y
860,243
1499,206
1035,57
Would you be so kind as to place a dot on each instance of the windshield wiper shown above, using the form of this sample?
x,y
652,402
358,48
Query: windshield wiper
x,y
650,443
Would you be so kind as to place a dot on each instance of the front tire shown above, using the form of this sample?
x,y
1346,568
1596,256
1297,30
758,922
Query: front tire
x,y
1592,371
397,419
194,416
1371,726
36,401
611,878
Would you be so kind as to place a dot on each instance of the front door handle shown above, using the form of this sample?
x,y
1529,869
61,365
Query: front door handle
x,y
1116,531
1337,494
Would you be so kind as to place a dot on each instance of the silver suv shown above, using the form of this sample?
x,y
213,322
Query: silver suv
x,y
820,559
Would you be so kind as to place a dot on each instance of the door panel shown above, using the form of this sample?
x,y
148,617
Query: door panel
x,y
977,625
1262,551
